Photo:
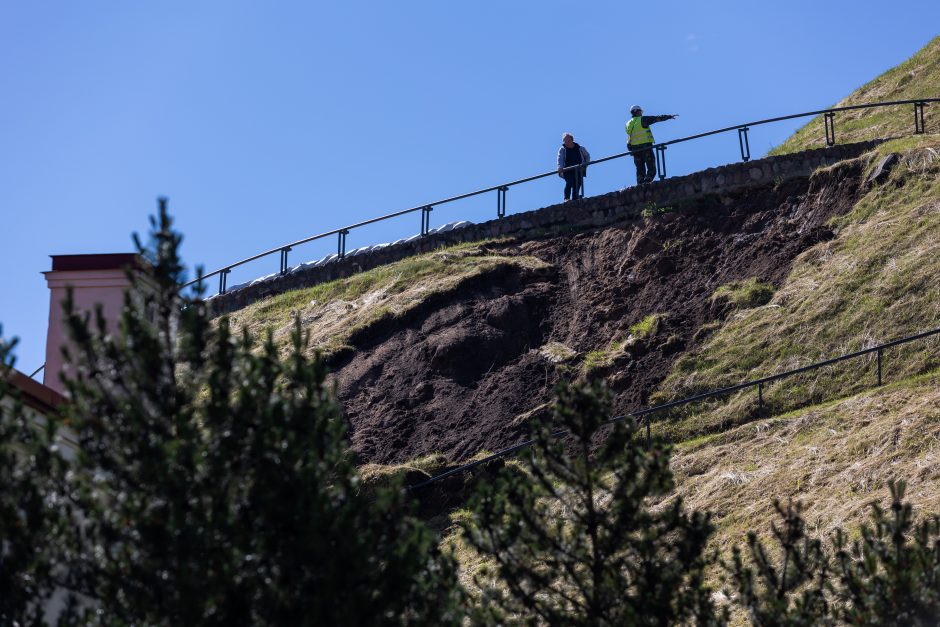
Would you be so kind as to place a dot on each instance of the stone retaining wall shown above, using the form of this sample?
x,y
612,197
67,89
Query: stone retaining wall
x,y
594,211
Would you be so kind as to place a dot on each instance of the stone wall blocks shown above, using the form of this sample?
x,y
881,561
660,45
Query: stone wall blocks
x,y
596,211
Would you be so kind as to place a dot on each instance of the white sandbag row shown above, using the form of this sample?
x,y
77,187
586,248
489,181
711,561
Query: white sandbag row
x,y
353,253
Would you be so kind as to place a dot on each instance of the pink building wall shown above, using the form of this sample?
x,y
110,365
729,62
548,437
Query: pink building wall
x,y
94,279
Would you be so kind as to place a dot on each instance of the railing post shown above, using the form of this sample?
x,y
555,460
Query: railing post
x,y
341,243
223,279
661,161
426,219
501,201
919,120
743,143
284,252
649,436
829,120
879,366
760,396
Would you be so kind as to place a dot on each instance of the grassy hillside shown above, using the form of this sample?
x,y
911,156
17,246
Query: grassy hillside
x,y
918,77
333,312
836,458
874,282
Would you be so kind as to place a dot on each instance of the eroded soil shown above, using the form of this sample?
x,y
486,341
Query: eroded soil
x,y
468,371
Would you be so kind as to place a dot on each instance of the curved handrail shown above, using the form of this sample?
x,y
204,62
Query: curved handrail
x,y
645,413
745,154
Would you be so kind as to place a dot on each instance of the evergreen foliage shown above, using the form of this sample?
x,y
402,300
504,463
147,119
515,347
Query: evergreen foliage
x,y
214,483
26,456
891,575
788,588
576,542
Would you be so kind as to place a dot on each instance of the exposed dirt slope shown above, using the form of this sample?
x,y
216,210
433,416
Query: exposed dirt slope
x,y
467,371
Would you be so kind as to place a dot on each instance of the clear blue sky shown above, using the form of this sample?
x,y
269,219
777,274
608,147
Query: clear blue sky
x,y
264,122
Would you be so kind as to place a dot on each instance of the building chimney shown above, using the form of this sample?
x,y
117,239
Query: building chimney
x,y
94,279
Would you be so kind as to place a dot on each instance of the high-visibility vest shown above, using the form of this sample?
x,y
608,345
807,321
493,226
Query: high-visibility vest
x,y
637,134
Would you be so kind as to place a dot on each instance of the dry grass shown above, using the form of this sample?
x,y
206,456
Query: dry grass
x,y
383,474
836,459
918,77
876,281
470,564
332,312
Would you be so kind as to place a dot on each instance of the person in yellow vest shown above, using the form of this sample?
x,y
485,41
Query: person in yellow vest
x,y
640,143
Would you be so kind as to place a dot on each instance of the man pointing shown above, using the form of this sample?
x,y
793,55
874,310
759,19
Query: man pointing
x,y
640,143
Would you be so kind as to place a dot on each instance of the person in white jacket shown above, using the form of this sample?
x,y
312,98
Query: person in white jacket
x,y
569,155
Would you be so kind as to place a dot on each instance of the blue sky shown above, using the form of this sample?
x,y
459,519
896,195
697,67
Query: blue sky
x,y
264,122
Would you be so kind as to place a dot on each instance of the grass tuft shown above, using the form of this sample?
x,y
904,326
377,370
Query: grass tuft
x,y
744,294
645,327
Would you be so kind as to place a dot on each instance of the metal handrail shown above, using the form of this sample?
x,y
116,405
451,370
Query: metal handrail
x,y
660,149
645,413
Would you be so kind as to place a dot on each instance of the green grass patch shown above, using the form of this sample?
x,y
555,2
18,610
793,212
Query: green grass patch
x,y
606,357
645,327
744,294
652,209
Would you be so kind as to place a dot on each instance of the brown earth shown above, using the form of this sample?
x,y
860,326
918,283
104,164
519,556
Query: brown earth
x,y
465,372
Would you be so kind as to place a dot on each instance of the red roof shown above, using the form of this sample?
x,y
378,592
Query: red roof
x,y
110,261
42,398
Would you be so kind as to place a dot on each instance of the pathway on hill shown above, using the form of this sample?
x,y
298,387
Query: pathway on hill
x,y
595,211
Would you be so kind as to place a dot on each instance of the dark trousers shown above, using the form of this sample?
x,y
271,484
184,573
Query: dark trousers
x,y
645,162
574,183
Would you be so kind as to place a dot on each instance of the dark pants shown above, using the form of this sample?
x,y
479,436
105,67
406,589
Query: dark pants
x,y
574,183
645,162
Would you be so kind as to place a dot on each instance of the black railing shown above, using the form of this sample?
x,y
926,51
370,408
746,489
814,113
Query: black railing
x,y
644,414
501,189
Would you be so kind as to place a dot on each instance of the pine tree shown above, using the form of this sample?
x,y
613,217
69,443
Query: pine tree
x,y
891,575
26,457
576,541
789,588
214,483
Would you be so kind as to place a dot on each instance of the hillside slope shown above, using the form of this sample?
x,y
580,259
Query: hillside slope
x,y
835,458
455,352
465,366
447,354
918,77
875,281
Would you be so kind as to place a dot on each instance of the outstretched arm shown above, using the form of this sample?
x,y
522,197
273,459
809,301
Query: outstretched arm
x,y
652,119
